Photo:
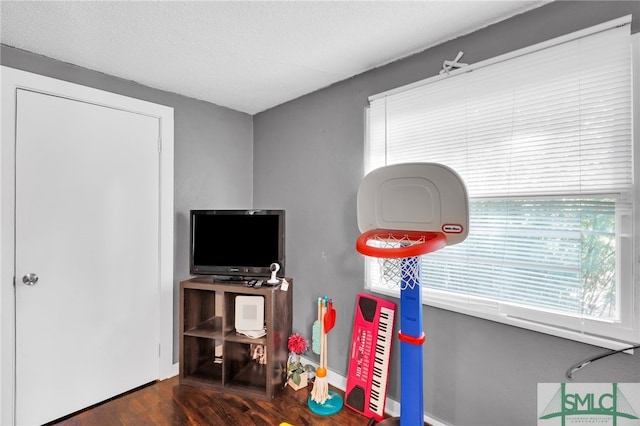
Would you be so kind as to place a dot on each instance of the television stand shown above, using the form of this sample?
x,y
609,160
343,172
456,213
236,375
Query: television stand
x,y
214,356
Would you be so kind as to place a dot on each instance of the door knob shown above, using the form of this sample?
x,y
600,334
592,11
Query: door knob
x,y
30,279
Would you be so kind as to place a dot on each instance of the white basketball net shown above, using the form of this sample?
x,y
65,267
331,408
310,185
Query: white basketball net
x,y
401,272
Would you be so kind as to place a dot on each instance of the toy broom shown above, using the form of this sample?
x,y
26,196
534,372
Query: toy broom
x,y
322,401
320,391
327,319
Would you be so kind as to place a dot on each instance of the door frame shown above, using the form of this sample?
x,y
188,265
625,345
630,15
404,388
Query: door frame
x,y
11,79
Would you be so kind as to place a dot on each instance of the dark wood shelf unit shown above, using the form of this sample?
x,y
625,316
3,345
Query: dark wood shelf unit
x,y
214,356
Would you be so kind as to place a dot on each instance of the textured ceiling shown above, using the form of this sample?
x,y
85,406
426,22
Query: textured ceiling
x,y
248,56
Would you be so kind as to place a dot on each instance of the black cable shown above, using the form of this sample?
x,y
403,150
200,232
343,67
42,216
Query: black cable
x,y
588,361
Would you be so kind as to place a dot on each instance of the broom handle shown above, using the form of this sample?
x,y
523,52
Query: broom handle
x,y
320,321
324,347
323,342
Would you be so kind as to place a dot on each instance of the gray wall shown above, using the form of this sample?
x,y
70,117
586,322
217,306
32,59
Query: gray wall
x,y
211,144
309,160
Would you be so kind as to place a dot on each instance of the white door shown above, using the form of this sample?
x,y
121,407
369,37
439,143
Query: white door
x,y
87,185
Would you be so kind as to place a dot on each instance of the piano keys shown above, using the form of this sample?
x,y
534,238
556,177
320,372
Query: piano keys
x,y
370,355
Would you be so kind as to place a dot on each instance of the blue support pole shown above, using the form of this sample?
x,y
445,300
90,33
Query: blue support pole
x,y
411,339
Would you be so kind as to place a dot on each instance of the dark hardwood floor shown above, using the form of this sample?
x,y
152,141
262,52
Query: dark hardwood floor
x,y
168,403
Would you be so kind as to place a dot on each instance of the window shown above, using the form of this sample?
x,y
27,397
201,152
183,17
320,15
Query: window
x,y
543,139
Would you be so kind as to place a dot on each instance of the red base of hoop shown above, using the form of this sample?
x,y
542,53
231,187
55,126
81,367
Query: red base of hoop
x,y
422,242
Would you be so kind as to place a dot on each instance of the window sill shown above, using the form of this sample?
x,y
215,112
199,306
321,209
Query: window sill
x,y
488,311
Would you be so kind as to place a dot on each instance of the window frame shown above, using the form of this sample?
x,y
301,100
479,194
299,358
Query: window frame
x,y
597,332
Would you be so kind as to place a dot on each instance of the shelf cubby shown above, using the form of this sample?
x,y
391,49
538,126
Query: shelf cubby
x,y
203,361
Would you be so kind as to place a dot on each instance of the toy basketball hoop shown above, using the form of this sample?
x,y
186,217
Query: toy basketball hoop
x,y
397,244
406,211
394,249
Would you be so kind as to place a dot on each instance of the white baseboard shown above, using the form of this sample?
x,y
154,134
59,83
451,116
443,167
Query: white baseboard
x,y
175,369
170,372
392,406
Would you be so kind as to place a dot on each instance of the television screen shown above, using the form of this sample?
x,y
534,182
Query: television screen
x,y
236,243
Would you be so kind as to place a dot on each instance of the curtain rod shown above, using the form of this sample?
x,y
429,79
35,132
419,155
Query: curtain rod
x,y
619,22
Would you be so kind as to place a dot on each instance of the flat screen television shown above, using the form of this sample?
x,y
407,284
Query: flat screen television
x,y
236,244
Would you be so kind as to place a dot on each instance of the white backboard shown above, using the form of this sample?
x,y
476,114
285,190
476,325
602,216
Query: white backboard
x,y
416,197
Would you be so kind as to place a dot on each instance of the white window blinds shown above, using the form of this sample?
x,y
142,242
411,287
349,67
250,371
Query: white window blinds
x,y
556,121
543,140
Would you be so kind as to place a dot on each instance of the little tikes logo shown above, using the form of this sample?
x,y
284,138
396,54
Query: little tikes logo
x,y
588,404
